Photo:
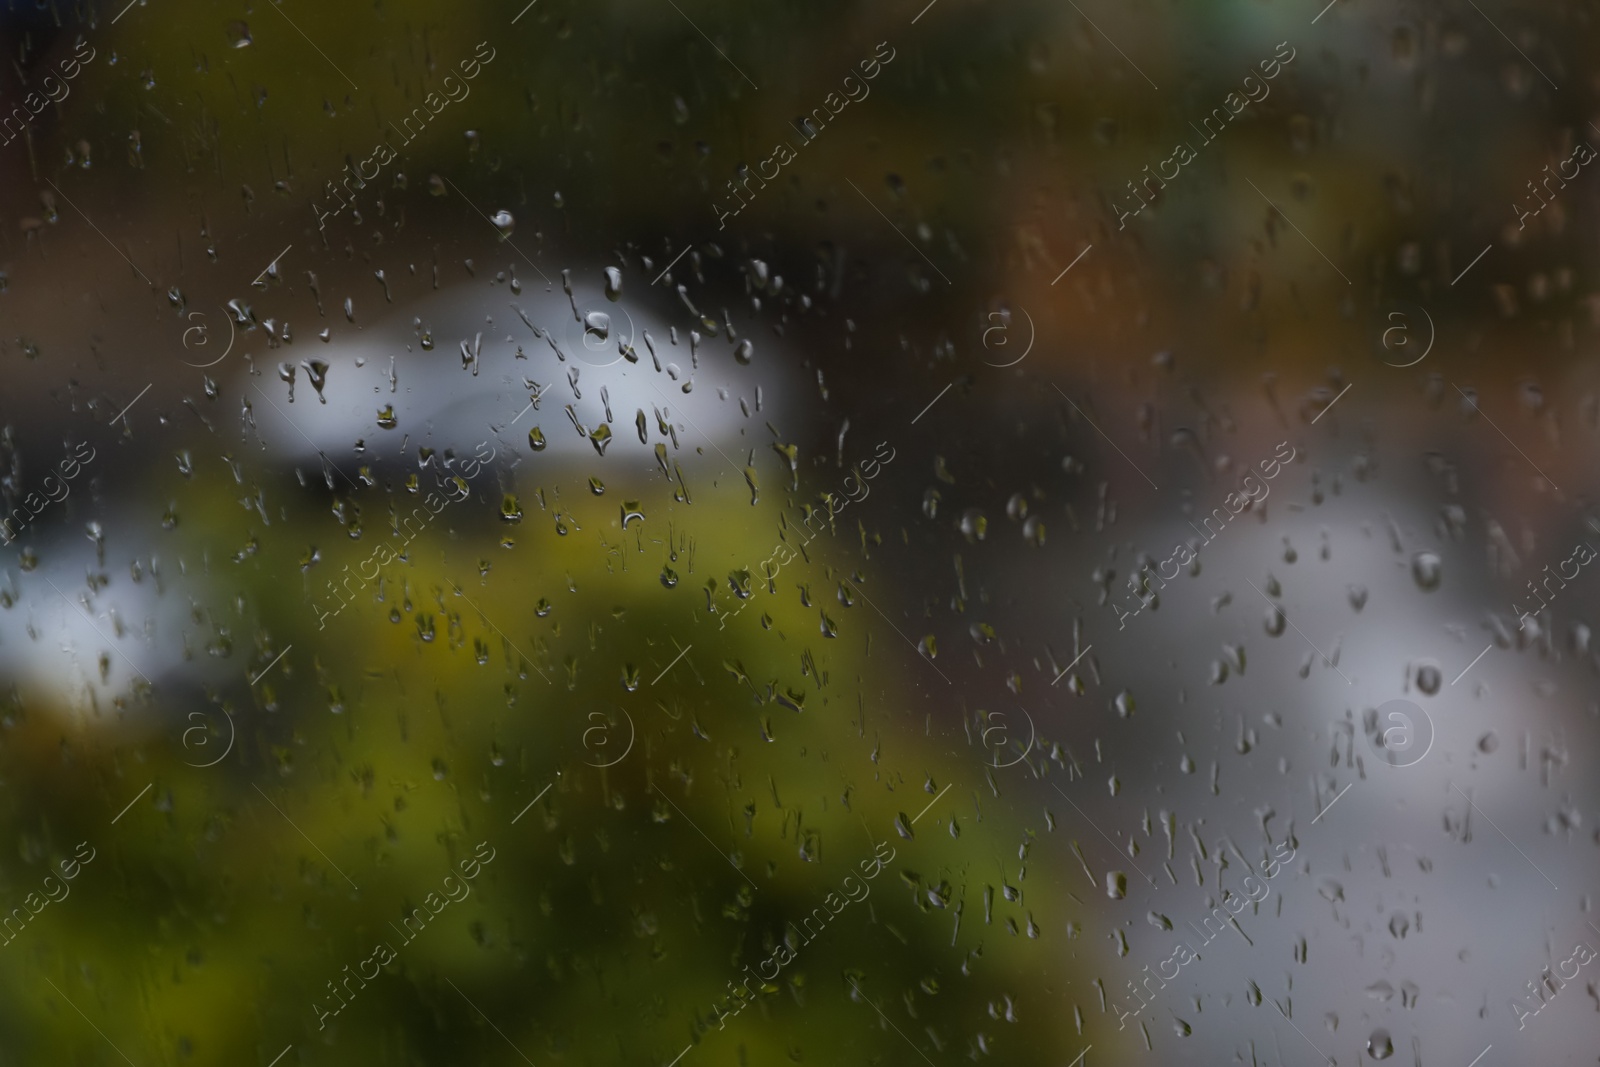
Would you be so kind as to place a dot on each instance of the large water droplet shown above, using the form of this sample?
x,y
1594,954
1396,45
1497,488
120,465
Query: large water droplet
x,y
1379,1046
503,222
755,486
317,370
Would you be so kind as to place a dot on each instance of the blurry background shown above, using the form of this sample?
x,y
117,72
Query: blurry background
x,y
279,705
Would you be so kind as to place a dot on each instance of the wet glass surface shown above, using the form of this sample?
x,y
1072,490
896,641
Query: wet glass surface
x,y
689,534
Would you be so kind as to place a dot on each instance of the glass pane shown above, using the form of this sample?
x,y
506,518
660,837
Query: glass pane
x,y
689,533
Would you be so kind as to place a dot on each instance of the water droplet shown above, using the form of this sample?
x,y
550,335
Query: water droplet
x,y
470,354
613,284
317,370
755,486
744,351
974,525
1116,885
536,439
1428,570
1379,1046
1428,678
239,34
503,222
